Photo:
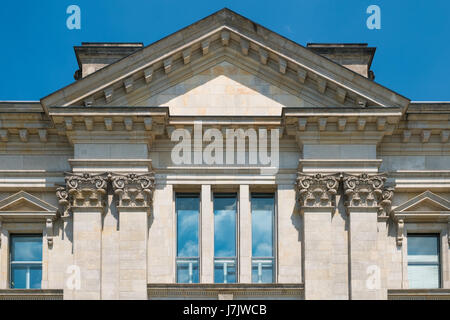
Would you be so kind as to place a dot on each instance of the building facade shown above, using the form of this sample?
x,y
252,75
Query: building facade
x,y
224,162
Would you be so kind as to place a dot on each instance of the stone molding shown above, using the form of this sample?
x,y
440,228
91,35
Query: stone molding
x,y
31,294
133,190
88,191
318,190
175,290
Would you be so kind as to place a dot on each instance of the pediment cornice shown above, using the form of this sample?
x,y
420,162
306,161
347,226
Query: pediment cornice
x,y
426,207
433,203
246,40
24,207
14,204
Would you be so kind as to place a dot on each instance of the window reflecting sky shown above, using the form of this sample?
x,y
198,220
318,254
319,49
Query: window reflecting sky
x,y
26,248
423,245
187,207
262,226
225,225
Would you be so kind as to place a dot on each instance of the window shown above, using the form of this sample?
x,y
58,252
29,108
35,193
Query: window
x,y
423,261
187,208
263,216
26,261
225,217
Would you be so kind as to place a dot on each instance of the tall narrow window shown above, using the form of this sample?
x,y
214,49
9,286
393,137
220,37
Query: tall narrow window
x,y
26,261
187,208
263,216
423,261
225,213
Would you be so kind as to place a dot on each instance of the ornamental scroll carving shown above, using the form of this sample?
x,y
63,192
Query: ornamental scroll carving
x,y
133,190
85,190
317,190
368,191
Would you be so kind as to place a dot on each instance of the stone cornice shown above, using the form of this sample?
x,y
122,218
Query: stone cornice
x,y
317,191
112,123
338,125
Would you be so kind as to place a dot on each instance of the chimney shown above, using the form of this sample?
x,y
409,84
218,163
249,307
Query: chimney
x,y
354,56
92,56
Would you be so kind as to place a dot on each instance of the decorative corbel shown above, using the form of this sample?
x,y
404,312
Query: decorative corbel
x,y
385,202
49,229
63,199
400,230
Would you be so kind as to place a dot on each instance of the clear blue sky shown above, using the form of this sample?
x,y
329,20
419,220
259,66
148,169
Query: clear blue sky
x,y
412,58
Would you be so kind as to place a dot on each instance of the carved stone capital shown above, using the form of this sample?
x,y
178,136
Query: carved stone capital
x,y
133,190
83,190
368,191
317,190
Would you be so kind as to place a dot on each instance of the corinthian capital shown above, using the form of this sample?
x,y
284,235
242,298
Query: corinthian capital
x,y
83,190
317,190
368,191
133,190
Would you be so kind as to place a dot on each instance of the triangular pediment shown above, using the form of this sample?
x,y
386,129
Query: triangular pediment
x,y
169,64
226,88
23,202
425,202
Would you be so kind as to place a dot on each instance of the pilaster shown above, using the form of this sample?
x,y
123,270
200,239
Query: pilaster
x,y
366,203
134,194
316,197
84,197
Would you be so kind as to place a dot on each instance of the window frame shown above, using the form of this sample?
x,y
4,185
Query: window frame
x,y
274,233
237,230
199,258
19,228
439,229
27,263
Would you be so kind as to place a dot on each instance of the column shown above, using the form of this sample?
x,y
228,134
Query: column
x,y
134,196
207,236
86,194
316,196
245,235
364,201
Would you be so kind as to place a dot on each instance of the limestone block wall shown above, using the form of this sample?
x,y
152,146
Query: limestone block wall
x,y
123,253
